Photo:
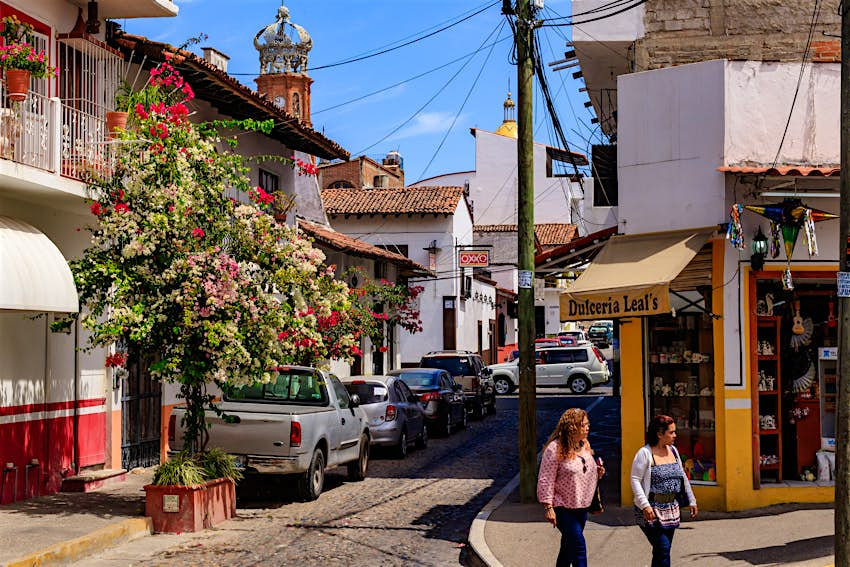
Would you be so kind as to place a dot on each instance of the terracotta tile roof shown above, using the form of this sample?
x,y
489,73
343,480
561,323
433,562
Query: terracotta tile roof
x,y
554,234
546,234
784,170
392,200
229,96
350,245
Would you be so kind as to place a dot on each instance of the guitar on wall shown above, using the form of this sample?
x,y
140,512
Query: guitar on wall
x,y
830,320
797,327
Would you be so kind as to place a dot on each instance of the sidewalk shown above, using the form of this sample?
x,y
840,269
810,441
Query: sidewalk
x,y
507,533
69,526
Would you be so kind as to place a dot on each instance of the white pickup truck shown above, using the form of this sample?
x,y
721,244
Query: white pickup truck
x,y
301,423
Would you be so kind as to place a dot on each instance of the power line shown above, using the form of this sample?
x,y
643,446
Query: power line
x,y
463,104
430,100
596,19
420,75
411,42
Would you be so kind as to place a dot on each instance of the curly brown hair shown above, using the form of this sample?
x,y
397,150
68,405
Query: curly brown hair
x,y
567,432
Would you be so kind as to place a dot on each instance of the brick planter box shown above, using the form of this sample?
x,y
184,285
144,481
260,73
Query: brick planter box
x,y
176,509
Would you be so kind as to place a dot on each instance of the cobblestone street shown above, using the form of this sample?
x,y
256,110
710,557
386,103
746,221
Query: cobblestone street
x,y
412,512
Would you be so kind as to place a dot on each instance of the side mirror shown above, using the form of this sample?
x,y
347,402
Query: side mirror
x,y
487,371
456,387
355,400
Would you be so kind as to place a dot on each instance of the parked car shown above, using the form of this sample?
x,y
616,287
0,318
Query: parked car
x,y
578,368
570,338
468,369
396,417
601,333
441,397
301,423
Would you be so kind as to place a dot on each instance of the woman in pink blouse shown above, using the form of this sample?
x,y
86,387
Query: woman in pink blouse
x,y
567,482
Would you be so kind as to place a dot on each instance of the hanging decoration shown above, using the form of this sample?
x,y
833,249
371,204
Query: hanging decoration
x,y
735,233
775,239
787,218
804,382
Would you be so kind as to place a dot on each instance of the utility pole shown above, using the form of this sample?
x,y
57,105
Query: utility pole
x,y
842,445
525,248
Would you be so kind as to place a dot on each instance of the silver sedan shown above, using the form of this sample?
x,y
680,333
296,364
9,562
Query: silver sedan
x,y
394,414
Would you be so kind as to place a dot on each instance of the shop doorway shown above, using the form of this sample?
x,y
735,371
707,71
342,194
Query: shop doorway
x,y
793,340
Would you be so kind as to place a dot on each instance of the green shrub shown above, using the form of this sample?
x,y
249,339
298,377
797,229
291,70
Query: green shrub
x,y
179,470
218,464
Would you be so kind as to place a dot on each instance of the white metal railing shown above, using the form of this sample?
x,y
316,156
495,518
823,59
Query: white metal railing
x,y
84,144
48,134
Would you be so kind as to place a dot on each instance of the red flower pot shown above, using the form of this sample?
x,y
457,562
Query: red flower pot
x,y
115,121
176,509
17,84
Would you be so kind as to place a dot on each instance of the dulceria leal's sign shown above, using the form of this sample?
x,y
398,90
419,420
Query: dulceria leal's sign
x,y
620,303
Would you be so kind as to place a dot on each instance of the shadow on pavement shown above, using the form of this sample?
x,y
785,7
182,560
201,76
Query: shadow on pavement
x,y
795,551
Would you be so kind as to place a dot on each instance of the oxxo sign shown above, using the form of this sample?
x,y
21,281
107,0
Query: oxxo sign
x,y
473,258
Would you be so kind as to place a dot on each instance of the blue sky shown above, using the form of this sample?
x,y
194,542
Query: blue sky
x,y
342,29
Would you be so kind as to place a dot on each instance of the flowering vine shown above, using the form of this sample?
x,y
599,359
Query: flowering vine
x,y
216,290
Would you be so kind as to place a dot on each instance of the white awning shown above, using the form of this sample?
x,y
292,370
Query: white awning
x,y
35,274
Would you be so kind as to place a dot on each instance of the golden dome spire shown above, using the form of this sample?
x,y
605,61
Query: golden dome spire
x,y
508,127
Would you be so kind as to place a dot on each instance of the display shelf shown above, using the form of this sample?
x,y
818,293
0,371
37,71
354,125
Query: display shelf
x,y
766,328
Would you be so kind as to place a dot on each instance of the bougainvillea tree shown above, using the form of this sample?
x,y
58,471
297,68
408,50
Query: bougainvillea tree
x,y
216,290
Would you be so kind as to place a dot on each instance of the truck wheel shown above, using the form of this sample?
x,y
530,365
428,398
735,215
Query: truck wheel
x,y
578,384
357,469
311,482
401,448
503,386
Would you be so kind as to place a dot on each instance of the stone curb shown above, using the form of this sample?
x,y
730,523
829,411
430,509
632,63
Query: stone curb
x,y
84,546
476,531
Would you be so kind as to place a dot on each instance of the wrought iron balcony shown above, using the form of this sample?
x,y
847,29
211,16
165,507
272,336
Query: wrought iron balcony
x,y
52,135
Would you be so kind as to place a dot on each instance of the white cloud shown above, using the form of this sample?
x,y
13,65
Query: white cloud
x,y
427,123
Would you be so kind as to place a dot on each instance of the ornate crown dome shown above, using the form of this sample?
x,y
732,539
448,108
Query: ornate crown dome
x,y
283,45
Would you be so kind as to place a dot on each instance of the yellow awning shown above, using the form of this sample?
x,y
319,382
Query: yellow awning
x,y
631,275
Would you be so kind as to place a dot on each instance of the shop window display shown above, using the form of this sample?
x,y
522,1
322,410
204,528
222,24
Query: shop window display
x,y
680,369
793,369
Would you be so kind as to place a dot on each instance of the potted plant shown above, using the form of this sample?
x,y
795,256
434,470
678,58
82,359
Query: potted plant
x,y
116,120
19,58
192,492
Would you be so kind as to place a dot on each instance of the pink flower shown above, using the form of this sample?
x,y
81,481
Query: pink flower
x,y
198,233
96,209
122,208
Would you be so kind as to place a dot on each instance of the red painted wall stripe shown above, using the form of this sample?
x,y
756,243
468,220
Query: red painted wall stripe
x,y
52,406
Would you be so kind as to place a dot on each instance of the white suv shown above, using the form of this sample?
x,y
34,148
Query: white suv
x,y
578,368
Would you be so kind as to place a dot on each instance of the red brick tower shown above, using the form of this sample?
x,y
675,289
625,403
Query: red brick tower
x,y
284,49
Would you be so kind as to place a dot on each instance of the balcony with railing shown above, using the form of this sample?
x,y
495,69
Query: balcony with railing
x,y
52,135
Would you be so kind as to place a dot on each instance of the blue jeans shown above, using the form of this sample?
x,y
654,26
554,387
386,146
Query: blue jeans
x,y
661,540
570,523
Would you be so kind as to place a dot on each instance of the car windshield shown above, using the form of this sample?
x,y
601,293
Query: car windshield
x,y
456,366
599,329
370,393
420,379
295,386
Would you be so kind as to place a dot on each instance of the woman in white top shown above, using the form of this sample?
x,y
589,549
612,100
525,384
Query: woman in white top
x,y
659,482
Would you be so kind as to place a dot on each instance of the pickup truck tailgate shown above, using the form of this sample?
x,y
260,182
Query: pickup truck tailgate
x,y
259,430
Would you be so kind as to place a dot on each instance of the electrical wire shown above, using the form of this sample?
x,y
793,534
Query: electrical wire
x,y
430,100
596,19
815,14
419,76
463,104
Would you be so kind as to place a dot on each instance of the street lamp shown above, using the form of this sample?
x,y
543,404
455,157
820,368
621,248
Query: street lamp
x,y
759,246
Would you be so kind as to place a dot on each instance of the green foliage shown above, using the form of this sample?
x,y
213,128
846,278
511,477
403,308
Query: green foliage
x,y
179,470
218,464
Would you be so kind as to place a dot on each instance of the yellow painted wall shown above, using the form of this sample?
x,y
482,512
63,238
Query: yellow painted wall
x,y
632,413
115,440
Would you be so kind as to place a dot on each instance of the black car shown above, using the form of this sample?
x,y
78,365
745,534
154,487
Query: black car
x,y
468,369
441,398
